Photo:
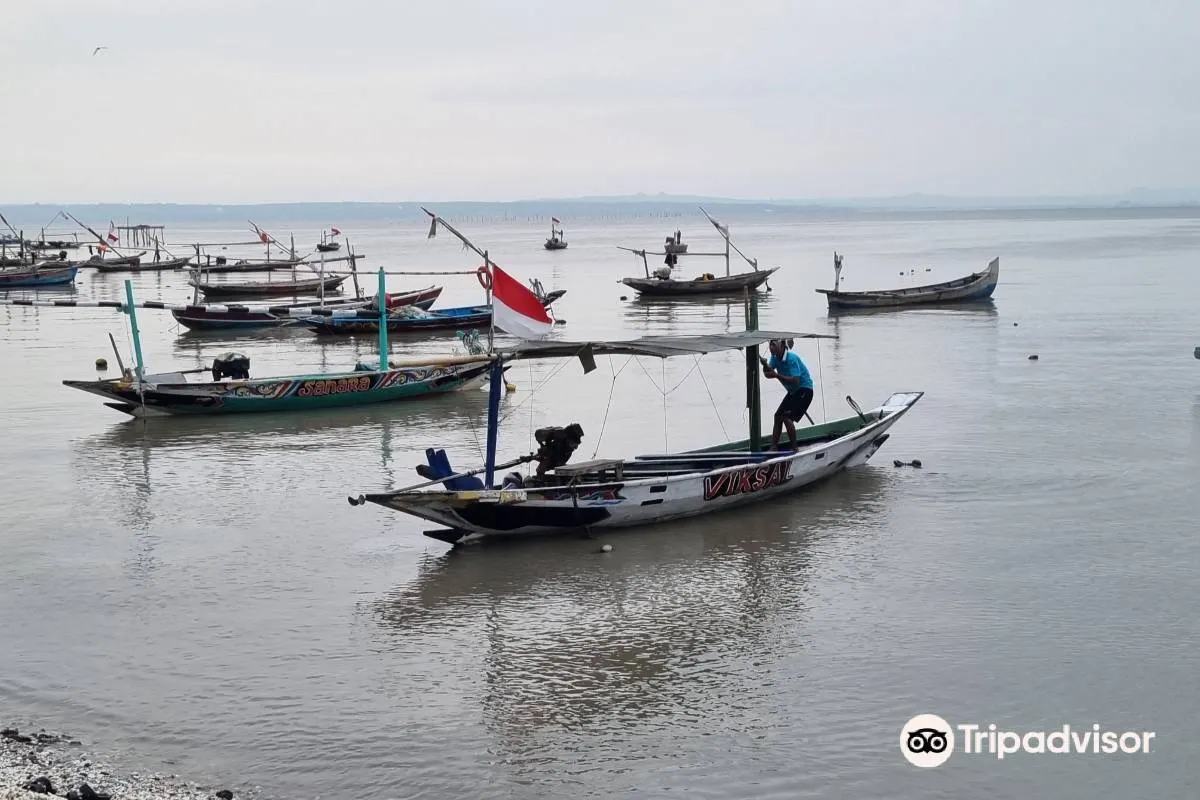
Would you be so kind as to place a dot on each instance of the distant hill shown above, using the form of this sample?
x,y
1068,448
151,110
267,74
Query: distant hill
x,y
33,216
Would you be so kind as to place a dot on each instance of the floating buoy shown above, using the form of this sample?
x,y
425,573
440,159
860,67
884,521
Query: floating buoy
x,y
1033,357
623,297
606,548
102,363
1014,324
510,387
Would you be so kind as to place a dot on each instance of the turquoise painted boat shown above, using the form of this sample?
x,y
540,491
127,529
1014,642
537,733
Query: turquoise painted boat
x,y
172,394
227,388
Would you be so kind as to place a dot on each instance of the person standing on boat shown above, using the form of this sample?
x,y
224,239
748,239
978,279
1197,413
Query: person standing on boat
x,y
787,366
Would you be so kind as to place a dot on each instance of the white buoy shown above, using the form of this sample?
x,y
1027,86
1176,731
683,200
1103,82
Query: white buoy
x,y
606,548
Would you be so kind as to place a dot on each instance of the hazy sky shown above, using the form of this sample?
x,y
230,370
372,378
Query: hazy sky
x,y
245,101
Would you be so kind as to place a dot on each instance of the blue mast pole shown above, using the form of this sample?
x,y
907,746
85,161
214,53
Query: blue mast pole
x,y
137,339
383,331
493,425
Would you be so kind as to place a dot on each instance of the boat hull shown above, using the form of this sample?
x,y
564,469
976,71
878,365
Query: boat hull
x,y
270,288
734,284
294,393
141,266
53,276
472,515
974,288
247,318
449,319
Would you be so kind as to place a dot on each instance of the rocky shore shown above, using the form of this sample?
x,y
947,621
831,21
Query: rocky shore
x,y
42,764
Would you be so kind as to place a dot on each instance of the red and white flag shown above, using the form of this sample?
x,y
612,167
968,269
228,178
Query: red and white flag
x,y
517,310
112,233
335,231
556,219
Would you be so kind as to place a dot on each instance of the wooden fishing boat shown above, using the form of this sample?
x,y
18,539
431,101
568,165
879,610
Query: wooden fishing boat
x,y
184,393
246,317
675,245
114,263
140,266
296,288
974,288
626,492
556,240
661,283
328,243
38,276
400,321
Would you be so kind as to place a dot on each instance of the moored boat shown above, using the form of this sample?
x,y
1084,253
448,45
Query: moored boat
x,y
232,390
661,283
401,320
38,275
246,317
297,288
556,240
974,288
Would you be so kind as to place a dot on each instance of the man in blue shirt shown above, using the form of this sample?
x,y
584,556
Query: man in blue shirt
x,y
791,372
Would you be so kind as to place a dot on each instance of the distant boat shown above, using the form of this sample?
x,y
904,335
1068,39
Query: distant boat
x,y
556,240
661,283
401,321
675,244
976,287
327,244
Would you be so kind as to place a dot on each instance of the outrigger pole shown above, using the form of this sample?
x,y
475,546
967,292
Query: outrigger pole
x,y
496,378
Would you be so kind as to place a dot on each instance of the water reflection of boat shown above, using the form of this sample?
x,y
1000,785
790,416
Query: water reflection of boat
x,y
978,308
576,637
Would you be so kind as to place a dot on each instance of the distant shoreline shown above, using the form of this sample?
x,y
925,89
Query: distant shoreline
x,y
35,216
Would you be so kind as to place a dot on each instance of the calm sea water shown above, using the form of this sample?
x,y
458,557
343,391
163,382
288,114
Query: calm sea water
x,y
196,596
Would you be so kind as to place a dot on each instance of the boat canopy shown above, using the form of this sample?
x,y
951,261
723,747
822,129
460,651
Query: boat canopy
x,y
656,346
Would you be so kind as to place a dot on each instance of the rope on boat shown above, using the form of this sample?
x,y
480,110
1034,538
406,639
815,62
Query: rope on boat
x,y
612,388
821,378
712,400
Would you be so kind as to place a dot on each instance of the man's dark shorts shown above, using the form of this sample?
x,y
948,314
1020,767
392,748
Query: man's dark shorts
x,y
794,404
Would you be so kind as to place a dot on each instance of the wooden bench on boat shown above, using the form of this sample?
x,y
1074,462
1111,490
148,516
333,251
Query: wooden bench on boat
x,y
597,467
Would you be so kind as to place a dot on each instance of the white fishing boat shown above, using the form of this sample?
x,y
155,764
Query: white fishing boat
x,y
645,489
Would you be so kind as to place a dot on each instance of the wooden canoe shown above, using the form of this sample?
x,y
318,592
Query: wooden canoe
x,y
973,288
297,288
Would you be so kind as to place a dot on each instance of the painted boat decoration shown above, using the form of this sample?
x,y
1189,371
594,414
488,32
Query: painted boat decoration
x,y
182,393
247,317
37,276
626,492
297,288
661,283
974,288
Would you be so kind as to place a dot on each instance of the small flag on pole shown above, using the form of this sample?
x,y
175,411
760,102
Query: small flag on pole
x,y
112,232
556,219
517,310
335,231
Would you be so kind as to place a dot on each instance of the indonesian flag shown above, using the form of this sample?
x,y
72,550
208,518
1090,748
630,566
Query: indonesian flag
x,y
112,233
517,310
335,231
264,237
556,219
102,247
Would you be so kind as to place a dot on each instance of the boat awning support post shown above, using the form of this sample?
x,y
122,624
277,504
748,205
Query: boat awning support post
x,y
383,320
753,394
137,338
495,384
